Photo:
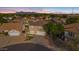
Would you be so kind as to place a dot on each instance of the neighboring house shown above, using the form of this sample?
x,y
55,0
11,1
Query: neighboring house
x,y
8,18
37,30
60,21
63,20
11,27
36,26
71,30
38,23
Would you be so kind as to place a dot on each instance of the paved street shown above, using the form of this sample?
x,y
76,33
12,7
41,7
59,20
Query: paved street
x,y
41,40
25,47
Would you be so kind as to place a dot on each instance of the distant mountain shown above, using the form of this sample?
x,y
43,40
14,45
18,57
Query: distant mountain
x,y
25,12
38,12
33,12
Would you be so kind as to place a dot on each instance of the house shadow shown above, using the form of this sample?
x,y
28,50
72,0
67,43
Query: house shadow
x,y
25,47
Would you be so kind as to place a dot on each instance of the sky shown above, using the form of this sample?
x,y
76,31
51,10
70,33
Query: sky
x,y
40,9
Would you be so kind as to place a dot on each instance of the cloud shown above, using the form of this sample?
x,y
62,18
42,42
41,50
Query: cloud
x,y
7,11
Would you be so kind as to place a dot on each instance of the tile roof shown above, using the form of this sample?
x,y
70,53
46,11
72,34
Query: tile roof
x,y
72,27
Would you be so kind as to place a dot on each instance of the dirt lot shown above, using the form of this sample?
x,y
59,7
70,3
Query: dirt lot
x,y
8,40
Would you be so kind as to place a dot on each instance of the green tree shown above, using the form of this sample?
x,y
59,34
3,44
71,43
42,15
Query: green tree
x,y
54,29
3,20
71,20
